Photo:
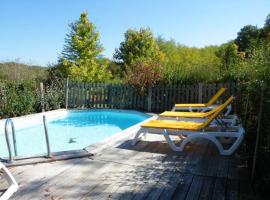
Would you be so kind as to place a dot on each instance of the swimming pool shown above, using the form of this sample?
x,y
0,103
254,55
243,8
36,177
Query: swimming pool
x,y
68,130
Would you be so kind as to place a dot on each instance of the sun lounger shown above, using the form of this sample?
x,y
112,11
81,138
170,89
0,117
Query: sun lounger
x,y
13,186
200,107
190,130
224,118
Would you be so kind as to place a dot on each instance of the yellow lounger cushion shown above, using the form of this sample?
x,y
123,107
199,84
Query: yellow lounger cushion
x,y
166,124
191,105
184,114
189,114
210,102
182,125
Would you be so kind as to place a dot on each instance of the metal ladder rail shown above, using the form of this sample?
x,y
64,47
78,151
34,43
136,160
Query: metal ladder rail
x,y
47,137
9,121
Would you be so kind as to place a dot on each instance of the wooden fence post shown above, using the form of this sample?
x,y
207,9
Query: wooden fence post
x,y
257,137
42,96
66,94
149,100
200,93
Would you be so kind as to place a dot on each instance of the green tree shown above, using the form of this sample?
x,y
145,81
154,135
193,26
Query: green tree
x,y
229,55
81,53
247,38
266,30
183,64
139,45
267,21
233,62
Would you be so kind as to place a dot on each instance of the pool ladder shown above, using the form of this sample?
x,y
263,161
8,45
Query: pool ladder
x,y
10,122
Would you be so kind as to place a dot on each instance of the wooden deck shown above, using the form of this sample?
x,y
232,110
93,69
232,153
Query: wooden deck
x,y
149,170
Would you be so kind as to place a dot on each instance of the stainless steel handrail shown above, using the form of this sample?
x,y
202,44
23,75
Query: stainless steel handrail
x,y
9,121
47,136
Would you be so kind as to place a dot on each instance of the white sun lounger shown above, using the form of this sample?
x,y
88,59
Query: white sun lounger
x,y
223,119
201,107
189,130
13,186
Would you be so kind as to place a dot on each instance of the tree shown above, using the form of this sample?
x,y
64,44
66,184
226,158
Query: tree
x,y
81,53
184,64
138,46
266,30
229,55
143,75
247,38
267,21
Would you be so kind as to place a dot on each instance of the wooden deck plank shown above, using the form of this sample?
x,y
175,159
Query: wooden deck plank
x,y
223,166
77,175
195,188
232,189
183,187
170,188
121,175
32,180
207,188
176,160
168,172
219,189
139,175
149,170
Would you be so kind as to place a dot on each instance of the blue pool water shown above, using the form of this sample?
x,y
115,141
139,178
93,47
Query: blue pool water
x,y
76,130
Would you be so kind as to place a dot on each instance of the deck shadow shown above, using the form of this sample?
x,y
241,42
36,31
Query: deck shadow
x,y
198,147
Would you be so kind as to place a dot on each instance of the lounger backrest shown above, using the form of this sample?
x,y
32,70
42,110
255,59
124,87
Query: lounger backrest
x,y
219,110
216,96
213,110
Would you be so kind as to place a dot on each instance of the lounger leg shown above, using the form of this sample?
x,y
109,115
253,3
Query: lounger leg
x,y
189,138
218,144
229,109
137,137
170,142
182,137
235,145
10,179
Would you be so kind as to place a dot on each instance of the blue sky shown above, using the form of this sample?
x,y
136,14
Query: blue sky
x,y
33,31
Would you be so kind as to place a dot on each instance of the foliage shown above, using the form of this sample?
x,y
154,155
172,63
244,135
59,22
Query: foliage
x,y
259,65
54,95
23,98
139,45
232,61
143,75
116,71
247,38
18,72
82,51
267,21
17,99
188,65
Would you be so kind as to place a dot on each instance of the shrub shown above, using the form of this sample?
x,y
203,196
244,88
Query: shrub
x,y
144,74
18,99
